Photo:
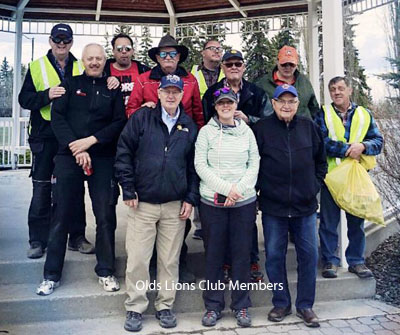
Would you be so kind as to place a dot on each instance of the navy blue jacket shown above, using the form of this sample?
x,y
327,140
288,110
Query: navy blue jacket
x,y
158,165
292,166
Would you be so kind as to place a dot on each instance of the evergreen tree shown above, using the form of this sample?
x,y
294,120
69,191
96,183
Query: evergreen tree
x,y
107,46
145,45
6,88
354,72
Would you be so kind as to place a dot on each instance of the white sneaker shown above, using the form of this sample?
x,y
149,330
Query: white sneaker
x,y
110,283
47,287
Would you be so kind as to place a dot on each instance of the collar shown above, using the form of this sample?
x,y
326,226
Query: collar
x,y
203,68
167,116
226,84
156,73
352,108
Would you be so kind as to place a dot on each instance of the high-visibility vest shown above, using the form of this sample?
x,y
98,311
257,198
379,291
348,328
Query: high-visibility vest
x,y
359,127
44,76
201,80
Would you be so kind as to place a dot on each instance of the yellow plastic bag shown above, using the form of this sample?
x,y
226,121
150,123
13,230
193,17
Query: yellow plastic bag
x,y
352,189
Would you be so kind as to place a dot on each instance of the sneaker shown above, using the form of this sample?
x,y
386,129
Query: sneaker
x,y
227,273
243,317
35,250
198,234
133,322
329,271
210,318
277,314
255,274
167,318
110,283
47,287
185,275
361,271
82,245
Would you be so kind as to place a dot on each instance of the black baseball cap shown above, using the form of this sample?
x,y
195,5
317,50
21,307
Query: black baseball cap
x,y
61,29
232,54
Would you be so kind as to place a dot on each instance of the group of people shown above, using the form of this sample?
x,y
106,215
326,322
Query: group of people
x,y
174,140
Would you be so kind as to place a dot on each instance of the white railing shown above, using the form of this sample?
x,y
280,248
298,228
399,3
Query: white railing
x,y
22,152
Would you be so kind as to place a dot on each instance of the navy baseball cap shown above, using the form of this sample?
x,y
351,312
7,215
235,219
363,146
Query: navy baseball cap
x,y
285,88
171,80
232,54
61,29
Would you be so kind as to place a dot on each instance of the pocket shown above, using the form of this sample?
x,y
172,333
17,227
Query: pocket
x,y
36,145
114,192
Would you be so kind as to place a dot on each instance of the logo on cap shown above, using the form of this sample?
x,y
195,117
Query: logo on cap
x,y
173,78
285,86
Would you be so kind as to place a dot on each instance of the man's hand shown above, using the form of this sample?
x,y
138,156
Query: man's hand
x,y
82,144
83,159
241,115
112,83
355,150
134,203
149,104
56,92
186,210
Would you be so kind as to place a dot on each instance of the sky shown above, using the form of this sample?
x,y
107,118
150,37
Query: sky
x,y
370,40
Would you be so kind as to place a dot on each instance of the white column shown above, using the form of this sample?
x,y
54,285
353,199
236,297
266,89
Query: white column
x,y
332,35
313,57
332,30
16,85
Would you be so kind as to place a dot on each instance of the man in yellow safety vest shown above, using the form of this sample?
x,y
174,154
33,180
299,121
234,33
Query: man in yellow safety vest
x,y
349,130
40,87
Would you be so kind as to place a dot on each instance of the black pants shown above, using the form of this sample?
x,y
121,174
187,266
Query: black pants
x,y
220,227
67,195
43,153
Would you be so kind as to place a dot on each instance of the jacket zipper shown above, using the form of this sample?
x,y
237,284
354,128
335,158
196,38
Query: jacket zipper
x,y
290,172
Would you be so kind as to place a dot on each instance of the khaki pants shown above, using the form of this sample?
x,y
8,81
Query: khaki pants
x,y
146,224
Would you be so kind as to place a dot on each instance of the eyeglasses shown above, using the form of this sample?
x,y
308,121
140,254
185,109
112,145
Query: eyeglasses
x,y
167,92
288,65
237,64
58,40
121,48
164,54
220,91
290,103
215,49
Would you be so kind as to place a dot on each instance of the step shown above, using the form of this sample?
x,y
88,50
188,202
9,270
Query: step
x,y
86,299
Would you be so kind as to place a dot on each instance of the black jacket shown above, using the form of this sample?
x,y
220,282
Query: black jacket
x,y
253,102
88,108
157,165
292,167
30,99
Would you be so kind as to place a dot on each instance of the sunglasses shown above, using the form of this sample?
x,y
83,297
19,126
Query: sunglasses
x,y
237,64
220,91
58,40
288,65
121,48
215,49
164,54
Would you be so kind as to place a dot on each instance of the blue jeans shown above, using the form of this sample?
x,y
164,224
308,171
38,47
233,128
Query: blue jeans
x,y
330,218
276,241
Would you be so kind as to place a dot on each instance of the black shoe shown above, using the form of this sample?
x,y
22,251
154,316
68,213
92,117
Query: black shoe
x,y
277,314
308,316
198,234
35,250
133,322
167,318
361,271
243,317
185,275
329,271
255,273
82,245
210,318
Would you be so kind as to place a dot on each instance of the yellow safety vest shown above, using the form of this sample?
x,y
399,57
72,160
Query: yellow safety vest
x,y
359,127
44,76
201,80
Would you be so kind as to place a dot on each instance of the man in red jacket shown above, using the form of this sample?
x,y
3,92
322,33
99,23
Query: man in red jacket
x,y
168,55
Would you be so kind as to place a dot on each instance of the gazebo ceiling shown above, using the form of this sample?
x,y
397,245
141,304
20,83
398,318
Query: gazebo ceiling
x,y
150,11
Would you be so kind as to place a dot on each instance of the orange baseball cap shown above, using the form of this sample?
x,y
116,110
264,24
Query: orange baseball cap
x,y
288,54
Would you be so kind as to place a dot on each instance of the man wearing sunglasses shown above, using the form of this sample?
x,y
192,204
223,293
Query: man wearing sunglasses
x,y
209,72
168,55
123,66
286,72
40,87
253,105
